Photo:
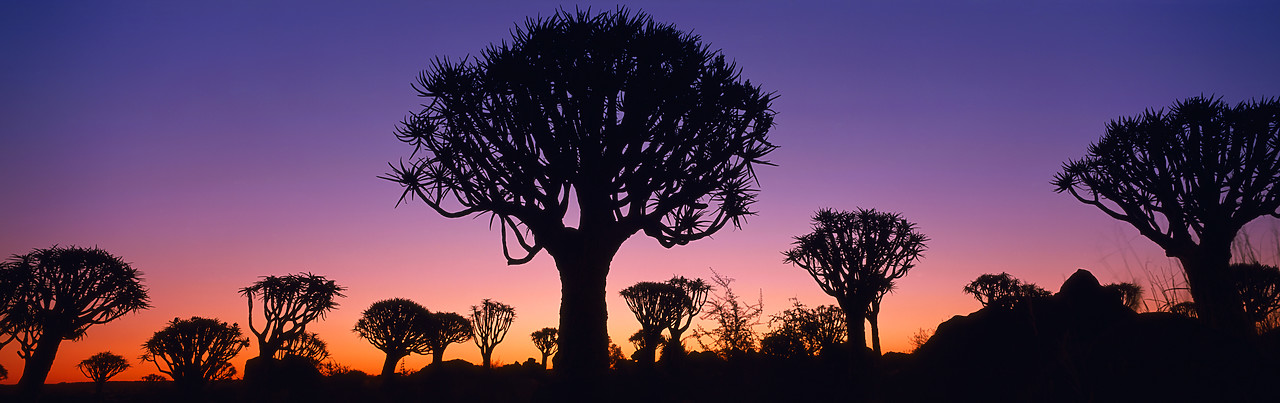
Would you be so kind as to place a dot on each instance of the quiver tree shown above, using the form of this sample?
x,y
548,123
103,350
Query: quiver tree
x,y
1188,179
306,345
545,341
449,328
398,327
195,351
1130,294
813,329
855,257
289,303
695,292
657,306
1259,288
642,125
57,294
101,367
1003,290
490,321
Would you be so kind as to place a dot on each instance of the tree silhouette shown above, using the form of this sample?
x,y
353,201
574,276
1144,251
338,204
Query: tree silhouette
x,y
306,345
545,341
855,257
1259,288
57,294
1188,179
102,367
657,306
1003,290
644,346
398,327
695,292
449,328
289,303
814,329
735,321
639,126
195,351
1130,294
4,373
490,321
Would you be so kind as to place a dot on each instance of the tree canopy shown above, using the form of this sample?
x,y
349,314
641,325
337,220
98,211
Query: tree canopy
x,y
490,321
56,294
449,328
196,350
545,340
657,306
289,303
633,125
398,327
1003,290
1188,178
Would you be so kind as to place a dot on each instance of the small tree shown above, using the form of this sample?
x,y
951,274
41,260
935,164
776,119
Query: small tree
x,y
1188,179
57,294
195,351
289,303
815,329
1259,288
101,367
306,345
918,339
735,321
695,292
657,306
449,328
631,124
490,321
545,341
1130,294
1002,290
398,327
856,257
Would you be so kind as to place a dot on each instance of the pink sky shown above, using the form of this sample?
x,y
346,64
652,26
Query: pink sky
x,y
211,144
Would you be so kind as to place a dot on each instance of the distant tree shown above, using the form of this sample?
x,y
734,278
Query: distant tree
x,y
289,303
4,373
449,328
57,294
735,321
195,351
1259,288
1003,290
637,125
490,321
101,367
1130,294
782,342
545,341
1188,179
306,345
918,339
398,327
153,378
657,306
856,257
695,292
815,329
615,355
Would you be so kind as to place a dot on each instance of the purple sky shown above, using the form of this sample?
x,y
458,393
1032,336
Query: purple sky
x,y
209,144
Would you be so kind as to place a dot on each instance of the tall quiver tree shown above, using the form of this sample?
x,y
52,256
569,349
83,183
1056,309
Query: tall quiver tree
x,y
642,125
490,321
101,367
57,294
657,306
855,257
545,341
289,303
1188,179
449,328
398,327
695,292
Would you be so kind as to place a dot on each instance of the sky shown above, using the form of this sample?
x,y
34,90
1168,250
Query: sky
x,y
211,143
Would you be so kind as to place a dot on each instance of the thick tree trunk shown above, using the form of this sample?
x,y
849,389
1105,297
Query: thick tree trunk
x,y
389,365
674,349
36,369
584,338
437,355
1217,301
487,356
544,360
855,317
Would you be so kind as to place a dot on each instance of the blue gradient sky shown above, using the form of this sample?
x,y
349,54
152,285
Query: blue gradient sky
x,y
215,142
